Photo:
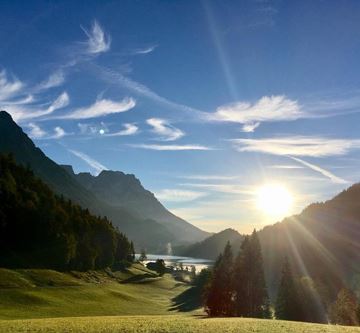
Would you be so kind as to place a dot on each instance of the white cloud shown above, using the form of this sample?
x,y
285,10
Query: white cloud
x,y
129,129
35,131
97,166
119,79
164,129
249,128
267,108
56,79
100,108
223,188
314,146
98,41
59,133
62,101
9,88
21,112
324,172
285,166
176,195
170,147
146,50
88,128
208,177
22,101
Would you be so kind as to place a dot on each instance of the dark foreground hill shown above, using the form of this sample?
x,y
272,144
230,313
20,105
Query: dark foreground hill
x,y
143,229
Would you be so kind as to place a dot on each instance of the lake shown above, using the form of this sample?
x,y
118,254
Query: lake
x,y
185,261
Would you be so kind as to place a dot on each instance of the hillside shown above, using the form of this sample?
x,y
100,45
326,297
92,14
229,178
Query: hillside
x,y
154,236
126,191
210,247
322,244
40,229
38,293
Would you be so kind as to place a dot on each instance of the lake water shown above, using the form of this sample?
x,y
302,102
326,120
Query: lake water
x,y
186,261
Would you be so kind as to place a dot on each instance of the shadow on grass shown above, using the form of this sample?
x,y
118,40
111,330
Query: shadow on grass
x,y
188,300
143,278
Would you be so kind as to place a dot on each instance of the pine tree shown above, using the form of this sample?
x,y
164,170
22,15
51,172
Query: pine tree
x,y
346,309
251,298
220,291
287,305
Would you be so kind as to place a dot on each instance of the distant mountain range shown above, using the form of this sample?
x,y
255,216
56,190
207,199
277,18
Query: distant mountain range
x,y
131,208
126,192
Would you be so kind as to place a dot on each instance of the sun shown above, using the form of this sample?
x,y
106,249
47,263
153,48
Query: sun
x,y
274,200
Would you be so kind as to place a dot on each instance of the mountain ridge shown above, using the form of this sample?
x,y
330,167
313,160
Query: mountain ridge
x,y
126,191
154,236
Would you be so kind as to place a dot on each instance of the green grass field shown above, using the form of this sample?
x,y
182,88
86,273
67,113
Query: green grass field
x,y
166,324
136,300
28,294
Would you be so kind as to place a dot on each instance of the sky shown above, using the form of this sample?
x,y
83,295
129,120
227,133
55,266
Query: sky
x,y
204,101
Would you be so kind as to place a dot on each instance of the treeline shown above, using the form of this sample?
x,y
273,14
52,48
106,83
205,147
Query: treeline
x,y
236,287
41,229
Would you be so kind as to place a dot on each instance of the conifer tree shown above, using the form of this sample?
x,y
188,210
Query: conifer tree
x,y
220,291
251,298
288,304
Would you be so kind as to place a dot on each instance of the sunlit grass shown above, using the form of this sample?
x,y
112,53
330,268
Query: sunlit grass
x,y
166,324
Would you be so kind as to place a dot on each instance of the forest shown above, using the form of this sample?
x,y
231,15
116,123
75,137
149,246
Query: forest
x,y
40,229
236,287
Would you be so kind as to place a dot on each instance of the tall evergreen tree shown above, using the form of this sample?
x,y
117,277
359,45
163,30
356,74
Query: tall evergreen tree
x,y
219,294
251,298
346,309
288,304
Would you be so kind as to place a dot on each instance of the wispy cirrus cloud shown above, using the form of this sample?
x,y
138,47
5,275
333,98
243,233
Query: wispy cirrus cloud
x,y
314,146
223,188
55,79
208,177
101,107
23,112
96,165
129,129
98,41
118,79
324,172
9,87
170,147
302,146
145,50
176,195
285,166
266,109
164,130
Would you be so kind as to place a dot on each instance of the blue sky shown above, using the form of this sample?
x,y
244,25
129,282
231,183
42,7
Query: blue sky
x,y
204,101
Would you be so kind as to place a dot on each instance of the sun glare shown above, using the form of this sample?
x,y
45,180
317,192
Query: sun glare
x,y
274,200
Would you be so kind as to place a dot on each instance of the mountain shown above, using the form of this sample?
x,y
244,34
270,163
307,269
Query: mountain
x,y
212,246
126,191
321,243
143,230
40,229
